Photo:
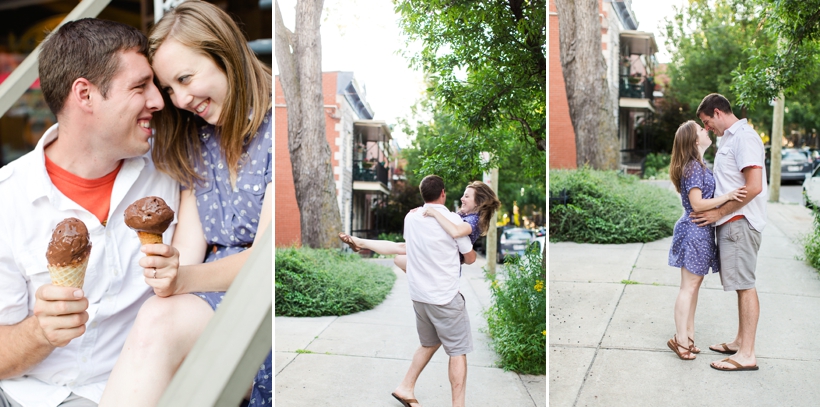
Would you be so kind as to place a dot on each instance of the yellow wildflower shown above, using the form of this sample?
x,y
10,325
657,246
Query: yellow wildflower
x,y
544,332
539,285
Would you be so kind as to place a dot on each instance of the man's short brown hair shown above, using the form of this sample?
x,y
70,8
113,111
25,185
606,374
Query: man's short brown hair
x,y
431,187
87,48
714,101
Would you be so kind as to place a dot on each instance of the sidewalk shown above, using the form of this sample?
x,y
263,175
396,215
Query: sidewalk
x,y
359,359
608,340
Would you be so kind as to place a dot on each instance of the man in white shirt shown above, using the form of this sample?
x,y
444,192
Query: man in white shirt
x,y
433,269
739,161
59,344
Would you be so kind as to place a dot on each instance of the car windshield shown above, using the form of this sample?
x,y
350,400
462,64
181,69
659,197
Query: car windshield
x,y
794,156
517,235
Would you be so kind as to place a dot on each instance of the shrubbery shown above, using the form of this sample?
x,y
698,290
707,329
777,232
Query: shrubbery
x,y
657,165
609,207
315,282
517,318
812,243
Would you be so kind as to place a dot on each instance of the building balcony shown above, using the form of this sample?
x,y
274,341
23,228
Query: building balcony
x,y
636,87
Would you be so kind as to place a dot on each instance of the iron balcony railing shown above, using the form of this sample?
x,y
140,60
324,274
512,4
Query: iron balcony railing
x,y
637,87
367,171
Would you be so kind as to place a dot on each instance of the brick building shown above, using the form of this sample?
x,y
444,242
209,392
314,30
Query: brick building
x,y
361,150
630,61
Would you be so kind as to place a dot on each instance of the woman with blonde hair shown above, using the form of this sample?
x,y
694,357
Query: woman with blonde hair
x,y
214,137
693,248
478,206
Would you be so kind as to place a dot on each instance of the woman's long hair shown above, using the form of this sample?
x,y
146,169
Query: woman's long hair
x,y
486,203
207,29
684,151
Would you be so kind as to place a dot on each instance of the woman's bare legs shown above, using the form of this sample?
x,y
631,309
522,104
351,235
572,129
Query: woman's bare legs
x,y
685,307
164,332
380,246
401,262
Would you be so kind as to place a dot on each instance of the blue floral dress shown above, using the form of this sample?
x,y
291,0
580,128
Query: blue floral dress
x,y
230,216
694,247
472,219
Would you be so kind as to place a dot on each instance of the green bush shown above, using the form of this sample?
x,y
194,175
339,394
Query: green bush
x,y
812,243
517,318
609,207
316,282
393,237
657,166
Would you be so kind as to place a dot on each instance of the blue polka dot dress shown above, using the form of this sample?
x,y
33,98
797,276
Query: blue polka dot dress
x,y
694,247
230,216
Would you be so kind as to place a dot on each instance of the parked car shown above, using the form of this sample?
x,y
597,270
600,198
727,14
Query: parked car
x,y
795,164
811,189
514,242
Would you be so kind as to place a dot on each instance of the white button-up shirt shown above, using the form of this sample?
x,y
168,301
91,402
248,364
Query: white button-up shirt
x,y
741,147
432,256
30,209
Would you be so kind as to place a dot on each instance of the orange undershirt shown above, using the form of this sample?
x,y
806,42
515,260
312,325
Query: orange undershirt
x,y
739,217
92,194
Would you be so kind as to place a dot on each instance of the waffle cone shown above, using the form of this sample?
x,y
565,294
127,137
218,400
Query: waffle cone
x,y
70,275
149,238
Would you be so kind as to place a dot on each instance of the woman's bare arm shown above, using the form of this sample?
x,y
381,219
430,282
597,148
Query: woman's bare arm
x,y
699,204
455,231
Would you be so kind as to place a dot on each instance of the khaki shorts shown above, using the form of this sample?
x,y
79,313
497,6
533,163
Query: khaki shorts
x,y
448,325
738,244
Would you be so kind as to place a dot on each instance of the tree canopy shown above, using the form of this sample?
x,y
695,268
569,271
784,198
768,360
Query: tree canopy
x,y
486,66
790,66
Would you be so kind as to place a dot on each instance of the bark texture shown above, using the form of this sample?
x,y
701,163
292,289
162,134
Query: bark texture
x,y
299,58
584,67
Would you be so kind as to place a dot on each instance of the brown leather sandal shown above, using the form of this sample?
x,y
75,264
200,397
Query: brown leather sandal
x,y
725,350
349,240
692,347
674,345
405,402
737,366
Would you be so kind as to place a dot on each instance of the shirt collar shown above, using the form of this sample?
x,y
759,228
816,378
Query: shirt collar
x,y
37,180
735,127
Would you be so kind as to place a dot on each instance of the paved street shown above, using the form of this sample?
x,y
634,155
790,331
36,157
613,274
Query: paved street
x,y
607,340
359,359
791,193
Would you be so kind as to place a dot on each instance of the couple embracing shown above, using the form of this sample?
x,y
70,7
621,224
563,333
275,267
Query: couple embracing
x,y
733,200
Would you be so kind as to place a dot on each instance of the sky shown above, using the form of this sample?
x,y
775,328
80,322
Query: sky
x,y
650,15
363,36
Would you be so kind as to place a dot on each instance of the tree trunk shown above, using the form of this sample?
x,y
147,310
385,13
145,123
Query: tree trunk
x,y
584,68
777,143
299,58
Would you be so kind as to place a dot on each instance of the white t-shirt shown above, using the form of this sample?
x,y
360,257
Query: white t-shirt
x,y
741,147
432,256
30,208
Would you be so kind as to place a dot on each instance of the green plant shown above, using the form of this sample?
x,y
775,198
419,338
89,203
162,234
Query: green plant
x,y
628,282
316,282
609,207
393,237
516,320
657,165
811,243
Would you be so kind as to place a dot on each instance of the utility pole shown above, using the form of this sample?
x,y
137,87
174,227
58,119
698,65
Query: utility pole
x,y
492,234
777,143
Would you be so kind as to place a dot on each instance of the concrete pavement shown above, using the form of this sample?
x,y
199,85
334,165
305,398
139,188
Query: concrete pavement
x,y
607,340
359,359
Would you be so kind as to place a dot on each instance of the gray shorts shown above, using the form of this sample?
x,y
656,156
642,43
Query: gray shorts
x,y
73,400
738,244
448,325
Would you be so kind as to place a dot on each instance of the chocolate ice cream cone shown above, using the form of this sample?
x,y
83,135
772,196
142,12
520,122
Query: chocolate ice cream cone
x,y
70,275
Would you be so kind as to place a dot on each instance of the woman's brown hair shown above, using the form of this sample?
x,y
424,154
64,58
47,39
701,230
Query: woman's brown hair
x,y
684,151
486,203
209,30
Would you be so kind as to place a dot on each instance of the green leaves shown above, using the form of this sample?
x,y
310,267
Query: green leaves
x,y
486,61
316,282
